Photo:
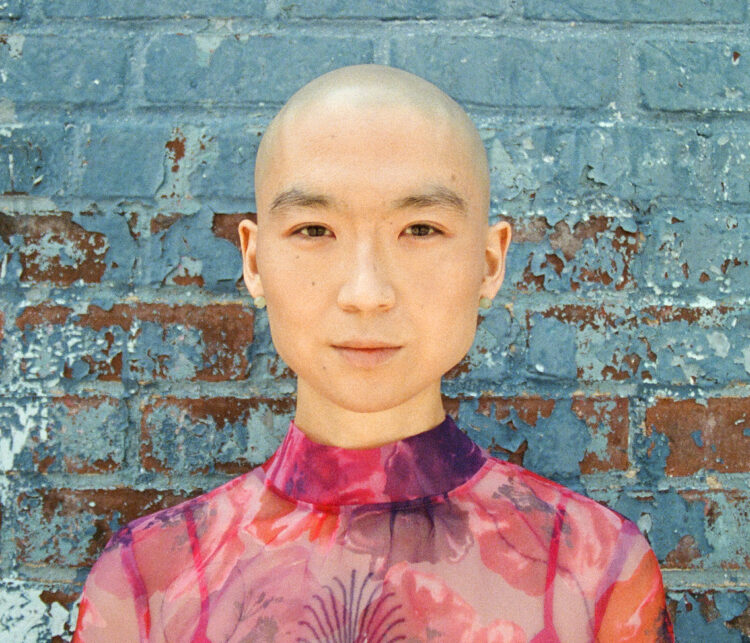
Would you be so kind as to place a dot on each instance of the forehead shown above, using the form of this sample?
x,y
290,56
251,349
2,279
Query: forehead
x,y
364,147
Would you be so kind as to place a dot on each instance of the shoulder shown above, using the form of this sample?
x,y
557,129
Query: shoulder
x,y
166,540
505,483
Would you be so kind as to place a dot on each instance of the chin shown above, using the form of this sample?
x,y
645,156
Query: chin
x,y
368,403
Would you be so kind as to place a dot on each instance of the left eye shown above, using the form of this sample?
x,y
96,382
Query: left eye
x,y
421,230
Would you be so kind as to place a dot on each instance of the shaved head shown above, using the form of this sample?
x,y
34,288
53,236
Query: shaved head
x,y
370,91
372,247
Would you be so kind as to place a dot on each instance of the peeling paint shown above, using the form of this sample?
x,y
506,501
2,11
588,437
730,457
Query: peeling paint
x,y
14,42
25,616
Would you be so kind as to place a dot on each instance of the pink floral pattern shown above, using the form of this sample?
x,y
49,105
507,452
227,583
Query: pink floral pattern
x,y
428,538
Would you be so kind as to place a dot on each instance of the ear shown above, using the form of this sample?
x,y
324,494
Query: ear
x,y
498,240
248,231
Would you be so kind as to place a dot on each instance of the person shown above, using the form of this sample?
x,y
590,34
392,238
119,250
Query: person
x,y
376,519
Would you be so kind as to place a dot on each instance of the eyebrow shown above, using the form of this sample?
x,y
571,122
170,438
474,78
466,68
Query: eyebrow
x,y
299,198
437,197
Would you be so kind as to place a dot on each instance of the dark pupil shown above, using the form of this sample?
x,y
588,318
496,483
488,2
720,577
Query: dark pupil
x,y
316,231
421,230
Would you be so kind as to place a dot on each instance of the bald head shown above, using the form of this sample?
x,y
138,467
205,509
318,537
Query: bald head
x,y
364,94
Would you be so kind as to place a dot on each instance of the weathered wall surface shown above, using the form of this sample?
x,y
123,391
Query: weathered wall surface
x,y
134,372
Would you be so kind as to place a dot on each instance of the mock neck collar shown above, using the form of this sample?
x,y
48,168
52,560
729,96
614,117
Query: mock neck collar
x,y
425,465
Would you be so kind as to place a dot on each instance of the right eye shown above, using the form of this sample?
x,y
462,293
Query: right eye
x,y
313,231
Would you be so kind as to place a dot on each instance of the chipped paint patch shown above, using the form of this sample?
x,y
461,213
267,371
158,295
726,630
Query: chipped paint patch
x,y
25,616
14,435
14,42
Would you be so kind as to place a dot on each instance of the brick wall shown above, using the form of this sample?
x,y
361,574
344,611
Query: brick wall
x,y
134,372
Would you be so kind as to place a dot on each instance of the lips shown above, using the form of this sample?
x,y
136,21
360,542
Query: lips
x,y
363,353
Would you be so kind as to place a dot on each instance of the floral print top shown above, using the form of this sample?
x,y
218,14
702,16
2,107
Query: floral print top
x,y
425,539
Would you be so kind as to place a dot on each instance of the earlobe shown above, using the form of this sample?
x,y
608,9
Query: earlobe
x,y
248,231
498,241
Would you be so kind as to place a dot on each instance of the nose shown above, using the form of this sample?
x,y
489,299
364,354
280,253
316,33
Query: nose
x,y
367,286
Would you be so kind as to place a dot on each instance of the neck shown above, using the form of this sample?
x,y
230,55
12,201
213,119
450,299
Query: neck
x,y
326,422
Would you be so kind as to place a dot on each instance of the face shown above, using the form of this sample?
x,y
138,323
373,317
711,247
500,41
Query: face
x,y
372,250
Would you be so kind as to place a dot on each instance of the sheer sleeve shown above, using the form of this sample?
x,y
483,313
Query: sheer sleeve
x,y
114,604
633,608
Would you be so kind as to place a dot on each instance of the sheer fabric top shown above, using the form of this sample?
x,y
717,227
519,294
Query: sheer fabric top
x,y
425,539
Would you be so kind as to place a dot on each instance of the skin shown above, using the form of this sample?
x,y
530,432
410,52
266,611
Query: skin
x,y
372,249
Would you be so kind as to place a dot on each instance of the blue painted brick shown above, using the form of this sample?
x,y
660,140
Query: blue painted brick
x,y
699,617
685,11
64,435
227,434
697,76
552,349
691,250
515,72
548,167
493,359
75,524
596,253
228,169
669,516
678,346
138,341
153,8
58,69
395,9
245,69
123,160
34,159
11,9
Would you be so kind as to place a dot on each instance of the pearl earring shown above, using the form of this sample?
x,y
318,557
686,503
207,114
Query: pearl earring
x,y
260,302
485,302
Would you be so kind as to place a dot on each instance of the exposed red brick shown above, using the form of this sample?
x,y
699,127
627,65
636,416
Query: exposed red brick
x,y
581,316
451,406
227,330
653,315
188,280
515,457
610,416
741,622
43,314
592,228
563,239
531,230
71,510
163,222
682,556
56,228
721,422
220,410
66,599
622,369
554,262
225,225
529,281
528,409
176,149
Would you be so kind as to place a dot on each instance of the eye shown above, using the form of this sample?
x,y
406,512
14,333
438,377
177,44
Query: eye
x,y
313,231
422,230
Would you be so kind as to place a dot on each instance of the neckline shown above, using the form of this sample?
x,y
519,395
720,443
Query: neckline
x,y
422,466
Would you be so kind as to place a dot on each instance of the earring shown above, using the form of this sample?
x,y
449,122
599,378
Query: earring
x,y
260,302
485,302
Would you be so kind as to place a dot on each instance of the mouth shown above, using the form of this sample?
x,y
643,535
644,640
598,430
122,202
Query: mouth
x,y
366,353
